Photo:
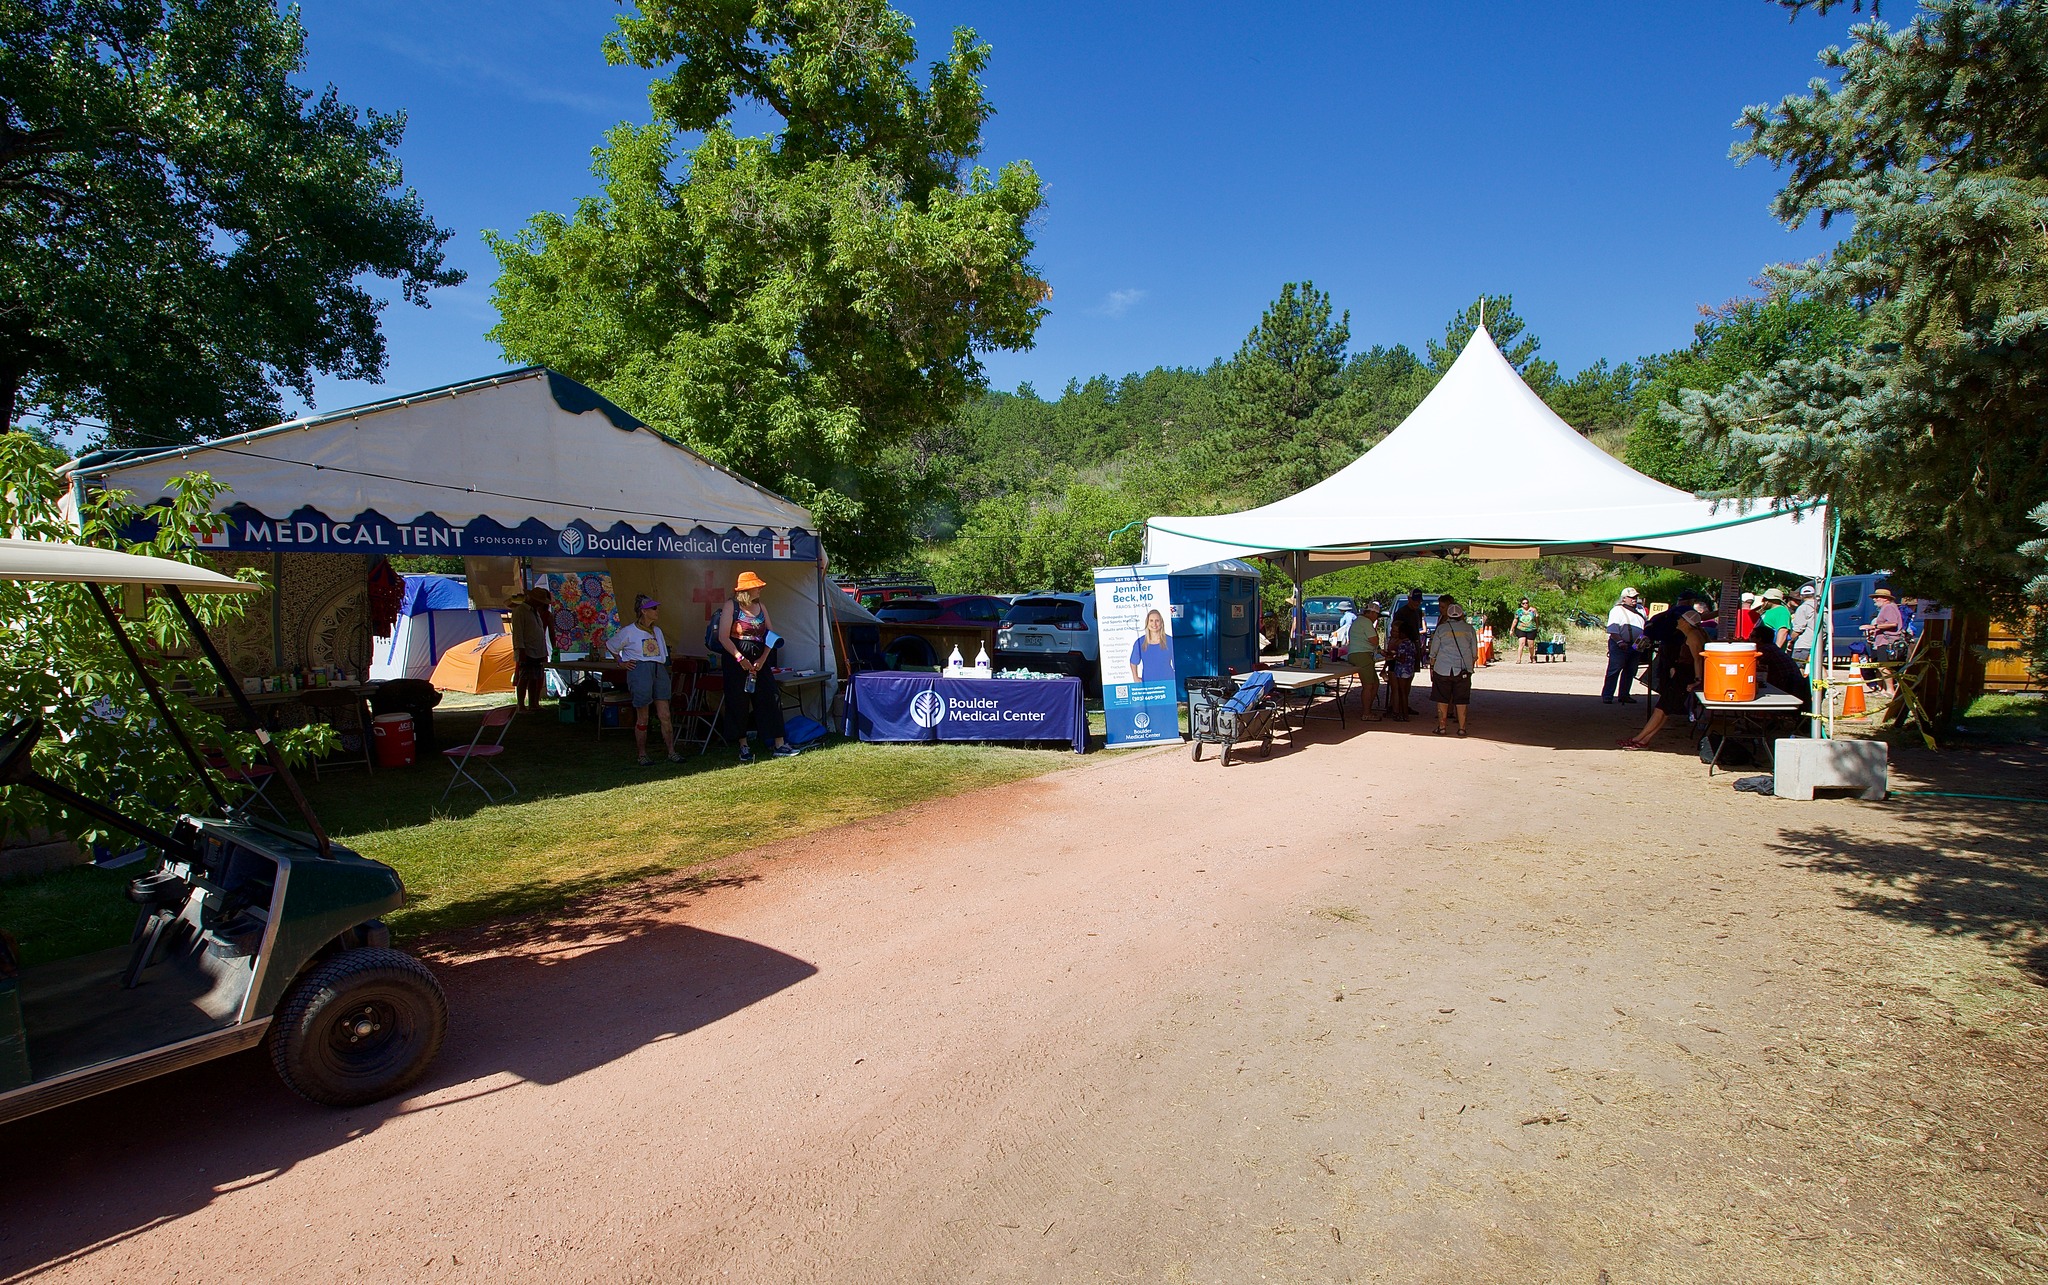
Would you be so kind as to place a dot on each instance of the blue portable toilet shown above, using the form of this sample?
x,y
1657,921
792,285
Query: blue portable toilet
x,y
1215,620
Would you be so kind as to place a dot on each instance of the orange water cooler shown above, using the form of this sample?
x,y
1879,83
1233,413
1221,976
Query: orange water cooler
x,y
1731,672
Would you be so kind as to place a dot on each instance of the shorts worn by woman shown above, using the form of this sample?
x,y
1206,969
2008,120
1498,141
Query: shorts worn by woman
x,y
647,682
1450,689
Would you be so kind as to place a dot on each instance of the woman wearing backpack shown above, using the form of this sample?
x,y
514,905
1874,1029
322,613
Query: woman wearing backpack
x,y
746,657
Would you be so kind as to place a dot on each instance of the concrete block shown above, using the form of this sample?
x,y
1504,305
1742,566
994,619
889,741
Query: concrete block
x,y
1803,766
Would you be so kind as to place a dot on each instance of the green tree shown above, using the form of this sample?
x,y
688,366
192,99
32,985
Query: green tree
x,y
61,663
794,304
183,229
1747,336
1288,367
1931,430
1510,334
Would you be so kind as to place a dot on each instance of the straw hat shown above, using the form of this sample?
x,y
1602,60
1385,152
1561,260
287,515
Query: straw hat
x,y
1881,592
748,580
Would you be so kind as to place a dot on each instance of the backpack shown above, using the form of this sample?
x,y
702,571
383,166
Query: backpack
x,y
712,647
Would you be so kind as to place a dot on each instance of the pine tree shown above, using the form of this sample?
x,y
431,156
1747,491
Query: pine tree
x,y
1934,430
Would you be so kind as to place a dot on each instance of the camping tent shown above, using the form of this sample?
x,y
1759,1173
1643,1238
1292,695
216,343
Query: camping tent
x,y
519,472
433,616
478,666
1484,469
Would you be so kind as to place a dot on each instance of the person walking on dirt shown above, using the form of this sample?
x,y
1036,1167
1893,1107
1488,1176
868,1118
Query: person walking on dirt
x,y
1624,636
1525,633
1453,654
747,653
644,648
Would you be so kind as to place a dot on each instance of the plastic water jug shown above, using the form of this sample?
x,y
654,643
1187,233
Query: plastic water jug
x,y
981,665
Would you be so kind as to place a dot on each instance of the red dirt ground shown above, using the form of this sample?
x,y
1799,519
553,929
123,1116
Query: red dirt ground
x,y
1383,1007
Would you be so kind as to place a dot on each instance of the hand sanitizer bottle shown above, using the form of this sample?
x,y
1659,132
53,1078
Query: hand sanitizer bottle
x,y
981,665
954,664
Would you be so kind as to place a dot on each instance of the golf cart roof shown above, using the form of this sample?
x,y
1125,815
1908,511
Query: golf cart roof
x,y
45,560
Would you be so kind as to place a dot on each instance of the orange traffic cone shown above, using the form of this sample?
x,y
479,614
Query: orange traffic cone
x,y
1852,697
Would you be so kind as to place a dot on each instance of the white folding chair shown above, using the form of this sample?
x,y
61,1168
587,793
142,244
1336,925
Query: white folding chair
x,y
478,750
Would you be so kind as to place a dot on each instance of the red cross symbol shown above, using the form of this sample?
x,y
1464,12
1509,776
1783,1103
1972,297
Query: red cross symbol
x,y
781,545
709,594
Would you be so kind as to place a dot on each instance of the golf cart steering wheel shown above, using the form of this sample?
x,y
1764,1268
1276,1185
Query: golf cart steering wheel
x,y
16,744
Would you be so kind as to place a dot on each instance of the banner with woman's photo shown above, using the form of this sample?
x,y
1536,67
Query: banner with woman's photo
x,y
1134,624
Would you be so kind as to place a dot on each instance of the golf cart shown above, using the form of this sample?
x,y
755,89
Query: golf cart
x,y
245,931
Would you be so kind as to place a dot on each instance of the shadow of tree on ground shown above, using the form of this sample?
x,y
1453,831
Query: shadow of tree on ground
x,y
1957,867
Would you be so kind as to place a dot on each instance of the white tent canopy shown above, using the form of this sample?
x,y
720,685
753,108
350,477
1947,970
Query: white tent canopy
x,y
527,464
1484,469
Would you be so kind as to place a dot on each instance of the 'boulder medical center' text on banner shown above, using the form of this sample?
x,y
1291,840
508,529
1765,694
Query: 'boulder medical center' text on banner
x,y
1134,621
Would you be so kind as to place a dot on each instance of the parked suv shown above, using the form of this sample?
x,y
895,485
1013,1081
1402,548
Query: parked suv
x,y
1324,613
1052,631
922,632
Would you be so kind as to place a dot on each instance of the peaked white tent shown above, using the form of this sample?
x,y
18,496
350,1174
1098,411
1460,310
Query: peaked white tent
x,y
527,465
1484,469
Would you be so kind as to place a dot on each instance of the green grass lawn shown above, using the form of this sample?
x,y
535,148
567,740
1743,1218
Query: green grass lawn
x,y
585,818
2008,716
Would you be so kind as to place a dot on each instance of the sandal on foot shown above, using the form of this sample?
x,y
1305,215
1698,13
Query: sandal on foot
x,y
1633,744
645,761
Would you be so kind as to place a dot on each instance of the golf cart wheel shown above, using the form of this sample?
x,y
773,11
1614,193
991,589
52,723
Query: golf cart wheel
x,y
361,1026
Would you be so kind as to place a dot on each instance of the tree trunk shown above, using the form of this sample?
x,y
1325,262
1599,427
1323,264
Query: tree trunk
x,y
10,389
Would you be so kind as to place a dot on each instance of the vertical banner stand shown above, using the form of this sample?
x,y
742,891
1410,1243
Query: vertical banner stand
x,y
1134,621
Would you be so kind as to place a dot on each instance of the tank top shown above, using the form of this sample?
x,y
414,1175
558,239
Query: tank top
x,y
749,630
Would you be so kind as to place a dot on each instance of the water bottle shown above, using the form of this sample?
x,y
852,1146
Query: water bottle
x,y
981,664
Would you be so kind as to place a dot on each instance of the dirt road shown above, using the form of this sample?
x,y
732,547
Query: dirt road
x,y
1387,1006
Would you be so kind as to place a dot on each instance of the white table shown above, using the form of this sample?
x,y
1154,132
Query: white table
x,y
1295,682
1758,720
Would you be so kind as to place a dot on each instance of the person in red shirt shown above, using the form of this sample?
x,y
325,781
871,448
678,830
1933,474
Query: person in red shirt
x,y
1745,618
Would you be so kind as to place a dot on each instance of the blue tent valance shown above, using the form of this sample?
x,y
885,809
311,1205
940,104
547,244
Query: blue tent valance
x,y
311,531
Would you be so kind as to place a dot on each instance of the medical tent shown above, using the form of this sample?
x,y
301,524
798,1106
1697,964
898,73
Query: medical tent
x,y
518,474
433,616
1484,469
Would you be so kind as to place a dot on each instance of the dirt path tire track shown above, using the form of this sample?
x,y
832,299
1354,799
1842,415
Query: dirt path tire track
x,y
1090,1027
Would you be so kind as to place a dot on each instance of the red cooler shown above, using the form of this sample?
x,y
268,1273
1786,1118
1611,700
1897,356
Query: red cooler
x,y
392,736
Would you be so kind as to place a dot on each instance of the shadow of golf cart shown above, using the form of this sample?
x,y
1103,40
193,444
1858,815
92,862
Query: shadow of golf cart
x,y
246,931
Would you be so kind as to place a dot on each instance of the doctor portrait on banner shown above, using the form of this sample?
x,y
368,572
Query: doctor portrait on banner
x,y
1134,621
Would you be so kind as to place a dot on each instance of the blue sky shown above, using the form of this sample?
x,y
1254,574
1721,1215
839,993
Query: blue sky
x,y
1197,155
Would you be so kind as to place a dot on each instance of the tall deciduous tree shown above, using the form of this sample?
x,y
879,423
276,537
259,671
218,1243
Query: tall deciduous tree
x,y
1934,431
791,304
182,228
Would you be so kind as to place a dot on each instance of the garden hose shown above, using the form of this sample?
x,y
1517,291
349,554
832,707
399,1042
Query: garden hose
x,y
1951,794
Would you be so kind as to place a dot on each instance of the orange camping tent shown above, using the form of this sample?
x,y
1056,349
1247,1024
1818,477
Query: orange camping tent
x,y
477,666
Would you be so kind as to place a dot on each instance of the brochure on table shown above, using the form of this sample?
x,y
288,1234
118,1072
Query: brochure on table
x,y
1134,621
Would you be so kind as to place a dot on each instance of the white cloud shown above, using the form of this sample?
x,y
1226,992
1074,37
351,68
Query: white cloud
x,y
1118,302
478,69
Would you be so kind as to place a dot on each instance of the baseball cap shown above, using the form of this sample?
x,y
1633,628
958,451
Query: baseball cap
x,y
1629,592
1806,591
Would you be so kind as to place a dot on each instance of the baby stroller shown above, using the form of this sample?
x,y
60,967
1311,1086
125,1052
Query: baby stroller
x,y
1221,711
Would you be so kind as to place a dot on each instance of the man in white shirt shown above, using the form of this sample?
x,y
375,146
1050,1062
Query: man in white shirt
x,y
1624,636
643,646
1805,623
